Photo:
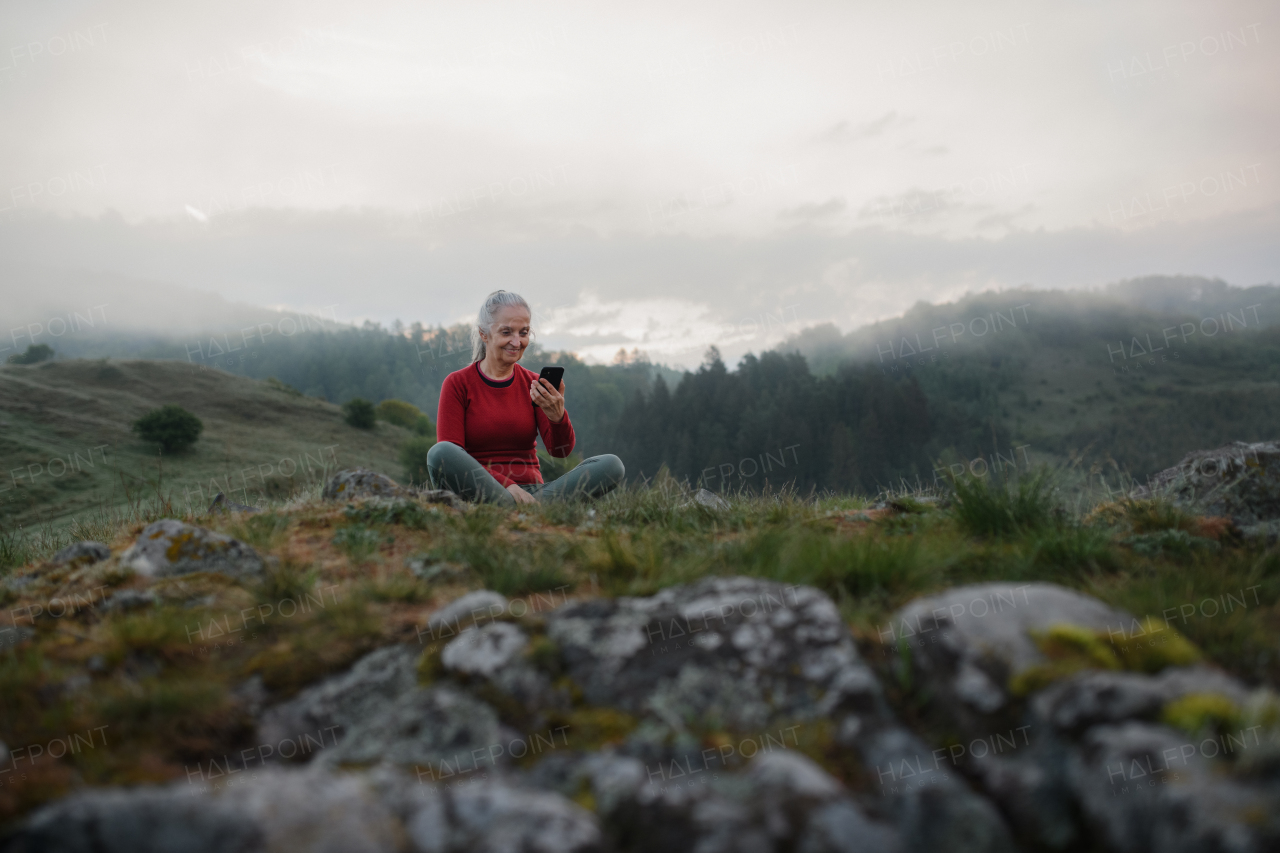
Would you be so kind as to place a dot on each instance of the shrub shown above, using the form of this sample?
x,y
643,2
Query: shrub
x,y
172,427
413,456
423,426
399,412
359,413
34,354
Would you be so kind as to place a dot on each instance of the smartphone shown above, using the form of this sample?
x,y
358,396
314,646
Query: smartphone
x,y
553,375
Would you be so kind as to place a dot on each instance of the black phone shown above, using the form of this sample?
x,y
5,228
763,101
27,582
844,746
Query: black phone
x,y
553,375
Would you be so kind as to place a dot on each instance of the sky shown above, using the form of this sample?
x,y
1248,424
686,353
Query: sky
x,y
661,176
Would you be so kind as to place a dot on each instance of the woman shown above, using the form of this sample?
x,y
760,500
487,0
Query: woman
x,y
491,413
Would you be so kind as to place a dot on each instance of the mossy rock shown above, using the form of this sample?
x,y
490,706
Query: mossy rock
x,y
1155,646
1150,648
1196,712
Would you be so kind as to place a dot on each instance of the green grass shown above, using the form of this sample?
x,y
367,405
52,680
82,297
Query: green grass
x,y
70,420
167,700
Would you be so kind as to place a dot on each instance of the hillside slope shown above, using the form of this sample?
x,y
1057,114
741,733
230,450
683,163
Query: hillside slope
x,y
1136,375
66,448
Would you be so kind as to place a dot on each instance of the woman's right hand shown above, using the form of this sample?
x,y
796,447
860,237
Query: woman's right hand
x,y
521,496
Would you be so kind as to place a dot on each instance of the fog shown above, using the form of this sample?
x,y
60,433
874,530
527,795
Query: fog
x,y
661,177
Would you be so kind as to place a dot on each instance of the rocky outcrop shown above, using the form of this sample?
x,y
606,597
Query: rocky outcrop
x,y
733,714
1085,724
82,554
312,811
171,547
361,483
354,483
1240,481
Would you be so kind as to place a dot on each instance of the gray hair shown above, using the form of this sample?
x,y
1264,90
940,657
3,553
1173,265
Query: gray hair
x,y
485,320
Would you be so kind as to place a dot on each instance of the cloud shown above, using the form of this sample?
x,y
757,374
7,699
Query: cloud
x,y
671,293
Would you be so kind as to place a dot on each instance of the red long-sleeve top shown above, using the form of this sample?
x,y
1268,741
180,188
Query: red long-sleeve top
x,y
498,424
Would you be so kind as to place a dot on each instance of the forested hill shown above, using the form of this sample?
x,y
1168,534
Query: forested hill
x,y
1126,379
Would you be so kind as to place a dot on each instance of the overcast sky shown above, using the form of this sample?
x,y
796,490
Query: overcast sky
x,y
654,175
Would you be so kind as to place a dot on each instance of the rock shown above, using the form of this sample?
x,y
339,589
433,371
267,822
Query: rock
x,y
428,568
272,810
145,820
745,651
441,496
483,651
221,504
375,681
709,500
438,730
783,801
968,643
1143,787
1239,480
311,811
171,547
355,483
1091,698
496,817
747,655
467,611
130,599
82,553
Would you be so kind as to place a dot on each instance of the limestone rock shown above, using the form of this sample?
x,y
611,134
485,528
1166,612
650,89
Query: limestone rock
x,y
82,553
467,611
708,500
483,651
375,681
748,655
311,811
1102,696
1239,480
171,547
968,642
223,505
1144,787
354,483
438,727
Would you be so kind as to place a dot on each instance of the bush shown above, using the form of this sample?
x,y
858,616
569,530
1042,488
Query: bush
x,y
423,426
34,354
172,427
359,413
413,456
399,412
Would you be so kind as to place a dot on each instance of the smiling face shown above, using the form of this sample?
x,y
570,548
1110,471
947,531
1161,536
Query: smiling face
x,y
508,337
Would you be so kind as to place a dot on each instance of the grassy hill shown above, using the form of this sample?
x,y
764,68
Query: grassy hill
x,y
68,452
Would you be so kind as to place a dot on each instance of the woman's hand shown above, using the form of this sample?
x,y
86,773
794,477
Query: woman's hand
x,y
551,401
521,496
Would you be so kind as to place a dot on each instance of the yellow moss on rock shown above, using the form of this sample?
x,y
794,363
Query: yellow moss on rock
x,y
1195,712
1151,647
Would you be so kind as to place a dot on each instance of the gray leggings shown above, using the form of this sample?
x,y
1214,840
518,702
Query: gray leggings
x,y
450,467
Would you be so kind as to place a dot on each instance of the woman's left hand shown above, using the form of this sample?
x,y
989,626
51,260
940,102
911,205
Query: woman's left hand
x,y
547,398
